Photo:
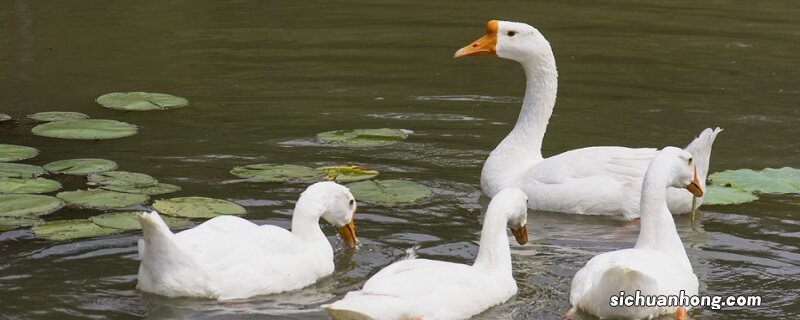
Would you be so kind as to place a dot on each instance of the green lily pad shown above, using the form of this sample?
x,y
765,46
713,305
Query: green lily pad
x,y
122,178
130,221
11,223
22,185
769,180
348,173
71,229
197,207
85,129
141,101
389,191
20,170
716,195
160,188
15,205
51,116
80,166
11,152
363,137
270,172
101,199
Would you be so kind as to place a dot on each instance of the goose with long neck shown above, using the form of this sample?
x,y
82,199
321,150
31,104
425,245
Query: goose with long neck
x,y
229,257
593,180
657,264
431,289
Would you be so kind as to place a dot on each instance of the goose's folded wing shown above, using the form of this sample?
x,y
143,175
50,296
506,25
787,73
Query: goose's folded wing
x,y
618,163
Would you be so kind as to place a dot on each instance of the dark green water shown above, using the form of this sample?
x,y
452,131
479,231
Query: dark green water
x,y
265,77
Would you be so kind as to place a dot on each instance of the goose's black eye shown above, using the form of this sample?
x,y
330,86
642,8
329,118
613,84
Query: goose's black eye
x,y
690,161
511,33
352,202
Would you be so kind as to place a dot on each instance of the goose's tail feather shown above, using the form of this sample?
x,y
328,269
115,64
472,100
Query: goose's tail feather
x,y
700,149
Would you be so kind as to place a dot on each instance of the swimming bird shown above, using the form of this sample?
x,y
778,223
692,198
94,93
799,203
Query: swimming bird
x,y
657,264
228,257
593,180
432,289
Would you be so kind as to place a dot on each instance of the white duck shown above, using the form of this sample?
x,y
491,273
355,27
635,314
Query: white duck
x,y
657,264
430,289
229,257
594,180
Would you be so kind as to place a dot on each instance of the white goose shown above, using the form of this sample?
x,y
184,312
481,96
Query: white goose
x,y
594,180
430,289
229,257
658,264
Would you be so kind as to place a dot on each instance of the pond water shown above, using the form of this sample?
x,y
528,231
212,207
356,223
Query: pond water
x,y
265,77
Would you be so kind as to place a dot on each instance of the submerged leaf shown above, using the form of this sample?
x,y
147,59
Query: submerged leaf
x,y
11,223
101,199
141,101
389,191
20,170
28,204
769,180
122,178
160,188
21,185
197,207
57,116
70,229
716,195
270,172
348,173
363,137
80,166
130,221
11,152
86,129
5,117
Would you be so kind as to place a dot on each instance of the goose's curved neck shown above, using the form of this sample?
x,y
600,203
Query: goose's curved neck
x,y
305,222
494,252
658,231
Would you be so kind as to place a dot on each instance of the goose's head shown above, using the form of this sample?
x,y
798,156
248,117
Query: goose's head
x,y
683,169
510,40
338,207
514,203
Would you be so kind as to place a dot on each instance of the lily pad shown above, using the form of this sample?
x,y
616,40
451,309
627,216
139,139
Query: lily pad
x,y
769,180
270,172
364,137
130,221
51,116
15,205
11,223
348,173
141,101
716,195
12,152
101,199
197,207
71,229
86,129
80,166
122,178
20,170
160,188
389,191
22,185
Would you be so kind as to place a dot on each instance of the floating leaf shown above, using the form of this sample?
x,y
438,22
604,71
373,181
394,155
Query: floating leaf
x,y
86,129
70,229
80,166
11,223
122,178
57,116
769,180
348,173
197,207
11,152
161,188
19,170
22,185
141,101
716,195
5,117
269,172
28,204
389,191
363,137
101,199
130,221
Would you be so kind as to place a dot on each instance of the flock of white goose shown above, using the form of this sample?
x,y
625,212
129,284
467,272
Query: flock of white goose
x,y
231,258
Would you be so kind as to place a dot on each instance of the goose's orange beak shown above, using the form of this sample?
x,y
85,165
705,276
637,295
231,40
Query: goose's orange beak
x,y
484,46
695,187
348,232
521,234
